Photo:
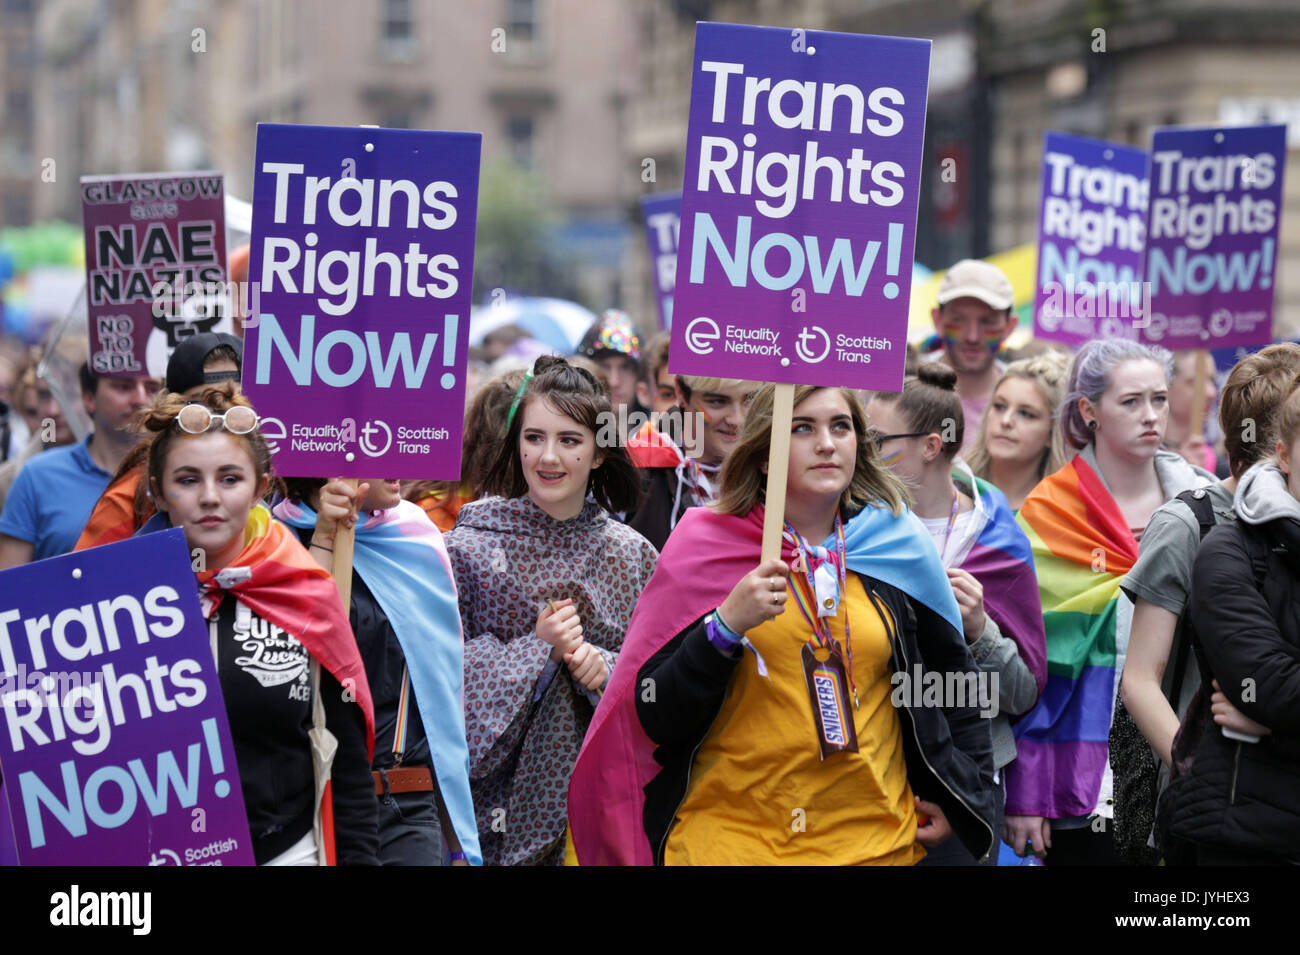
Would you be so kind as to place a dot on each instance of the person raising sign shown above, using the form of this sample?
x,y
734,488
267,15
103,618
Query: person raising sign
x,y
756,715
403,612
283,647
546,543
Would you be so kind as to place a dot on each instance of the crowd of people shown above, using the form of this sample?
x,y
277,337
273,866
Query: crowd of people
x,y
1026,599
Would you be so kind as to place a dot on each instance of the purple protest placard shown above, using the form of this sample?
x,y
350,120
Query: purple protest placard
x,y
663,220
155,267
113,736
1212,235
803,165
1091,230
363,252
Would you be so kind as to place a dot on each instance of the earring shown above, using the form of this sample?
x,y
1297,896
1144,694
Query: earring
x,y
1092,425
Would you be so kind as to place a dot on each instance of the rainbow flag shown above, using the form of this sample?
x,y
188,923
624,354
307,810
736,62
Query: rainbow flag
x,y
1082,547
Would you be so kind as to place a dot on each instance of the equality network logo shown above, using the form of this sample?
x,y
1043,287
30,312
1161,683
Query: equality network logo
x,y
701,333
374,437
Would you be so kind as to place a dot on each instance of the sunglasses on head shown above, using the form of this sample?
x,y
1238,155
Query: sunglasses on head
x,y
198,418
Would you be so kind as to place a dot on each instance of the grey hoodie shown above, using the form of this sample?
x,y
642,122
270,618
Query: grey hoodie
x,y
1263,496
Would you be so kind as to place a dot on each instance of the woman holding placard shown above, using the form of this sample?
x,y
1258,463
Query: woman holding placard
x,y
1084,523
288,664
404,614
546,581
767,713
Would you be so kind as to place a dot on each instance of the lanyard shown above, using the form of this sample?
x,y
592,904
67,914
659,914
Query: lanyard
x,y
804,589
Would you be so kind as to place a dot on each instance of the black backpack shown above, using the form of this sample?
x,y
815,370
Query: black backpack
x,y
1134,765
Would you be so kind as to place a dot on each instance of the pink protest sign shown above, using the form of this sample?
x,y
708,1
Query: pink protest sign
x,y
155,267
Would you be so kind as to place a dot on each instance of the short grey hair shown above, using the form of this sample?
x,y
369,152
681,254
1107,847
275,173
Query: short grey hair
x,y
1091,372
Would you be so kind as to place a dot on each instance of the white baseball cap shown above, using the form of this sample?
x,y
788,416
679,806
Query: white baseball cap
x,y
974,278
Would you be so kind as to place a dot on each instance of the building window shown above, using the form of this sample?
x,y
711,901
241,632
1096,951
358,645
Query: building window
x,y
520,135
521,21
395,117
523,29
397,30
18,209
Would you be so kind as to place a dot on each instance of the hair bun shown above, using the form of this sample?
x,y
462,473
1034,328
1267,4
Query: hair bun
x,y
937,374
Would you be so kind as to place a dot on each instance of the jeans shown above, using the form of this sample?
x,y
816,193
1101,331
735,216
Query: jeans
x,y
409,830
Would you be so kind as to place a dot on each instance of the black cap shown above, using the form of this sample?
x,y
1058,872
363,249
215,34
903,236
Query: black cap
x,y
185,367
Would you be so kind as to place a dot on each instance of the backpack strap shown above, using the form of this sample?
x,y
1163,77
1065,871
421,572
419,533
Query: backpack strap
x,y
1198,502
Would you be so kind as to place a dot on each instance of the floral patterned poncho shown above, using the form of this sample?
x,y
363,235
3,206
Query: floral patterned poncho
x,y
526,721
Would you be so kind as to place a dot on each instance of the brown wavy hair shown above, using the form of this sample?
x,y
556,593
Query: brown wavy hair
x,y
575,393
158,422
745,485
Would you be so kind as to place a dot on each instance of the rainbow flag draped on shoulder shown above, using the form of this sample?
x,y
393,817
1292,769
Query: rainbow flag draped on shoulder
x,y
1082,547
999,556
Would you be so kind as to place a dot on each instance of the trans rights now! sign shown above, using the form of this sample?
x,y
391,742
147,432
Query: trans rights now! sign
x,y
1091,232
363,251
663,220
803,166
114,743
1212,235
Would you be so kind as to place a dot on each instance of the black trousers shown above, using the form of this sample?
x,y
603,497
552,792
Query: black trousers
x,y
1083,846
409,831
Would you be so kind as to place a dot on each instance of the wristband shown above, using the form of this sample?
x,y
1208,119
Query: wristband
x,y
322,547
726,640
733,635
459,857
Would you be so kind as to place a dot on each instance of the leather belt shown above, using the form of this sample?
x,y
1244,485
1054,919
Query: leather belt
x,y
416,779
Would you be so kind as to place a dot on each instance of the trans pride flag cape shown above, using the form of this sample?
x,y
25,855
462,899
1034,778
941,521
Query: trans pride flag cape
x,y
401,556
1001,559
1082,548
704,558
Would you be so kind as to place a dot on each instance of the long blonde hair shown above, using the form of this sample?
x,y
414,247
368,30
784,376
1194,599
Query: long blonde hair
x,y
1047,372
745,485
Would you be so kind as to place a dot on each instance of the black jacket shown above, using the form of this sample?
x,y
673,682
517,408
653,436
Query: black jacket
x,y
949,751
1237,795
663,502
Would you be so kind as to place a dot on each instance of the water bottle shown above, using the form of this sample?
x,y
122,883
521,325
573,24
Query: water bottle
x,y
1030,857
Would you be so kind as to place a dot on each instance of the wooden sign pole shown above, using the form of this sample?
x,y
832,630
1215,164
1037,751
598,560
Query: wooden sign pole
x,y
778,466
344,541
1204,362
